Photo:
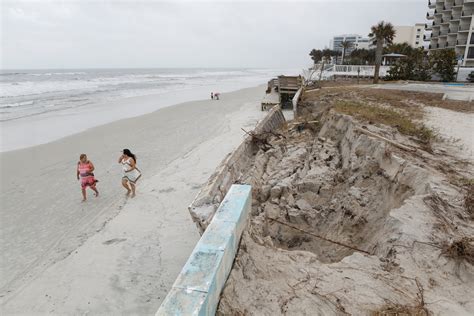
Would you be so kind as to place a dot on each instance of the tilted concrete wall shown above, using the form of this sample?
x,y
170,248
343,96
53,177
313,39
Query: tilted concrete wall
x,y
197,288
229,171
296,99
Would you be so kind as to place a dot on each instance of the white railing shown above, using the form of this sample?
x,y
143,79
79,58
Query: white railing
x,y
330,71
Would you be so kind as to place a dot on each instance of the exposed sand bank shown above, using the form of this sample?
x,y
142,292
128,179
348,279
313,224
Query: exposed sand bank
x,y
112,255
354,215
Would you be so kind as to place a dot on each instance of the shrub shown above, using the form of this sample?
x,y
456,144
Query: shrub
x,y
443,63
470,77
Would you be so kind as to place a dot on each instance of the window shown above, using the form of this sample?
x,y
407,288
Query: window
x,y
417,43
418,36
418,30
470,53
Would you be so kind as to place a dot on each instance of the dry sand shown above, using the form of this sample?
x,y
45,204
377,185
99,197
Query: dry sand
x,y
112,255
454,127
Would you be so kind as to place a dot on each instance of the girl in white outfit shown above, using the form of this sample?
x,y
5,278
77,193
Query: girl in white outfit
x,y
131,174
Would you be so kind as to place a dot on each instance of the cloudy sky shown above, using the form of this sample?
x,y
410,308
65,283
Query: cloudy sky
x,y
125,33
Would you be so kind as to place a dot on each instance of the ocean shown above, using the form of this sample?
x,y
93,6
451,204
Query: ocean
x,y
33,92
42,101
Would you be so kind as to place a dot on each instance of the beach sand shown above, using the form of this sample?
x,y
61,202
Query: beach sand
x,y
111,254
453,127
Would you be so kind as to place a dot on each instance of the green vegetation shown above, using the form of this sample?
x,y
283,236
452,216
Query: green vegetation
x,y
362,57
470,78
387,116
415,66
316,55
443,62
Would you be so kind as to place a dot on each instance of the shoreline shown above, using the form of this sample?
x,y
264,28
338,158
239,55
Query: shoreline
x,y
128,251
46,128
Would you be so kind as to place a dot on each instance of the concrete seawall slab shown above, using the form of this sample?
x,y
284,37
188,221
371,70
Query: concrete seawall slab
x,y
197,288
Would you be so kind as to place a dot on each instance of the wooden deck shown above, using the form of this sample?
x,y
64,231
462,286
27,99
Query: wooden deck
x,y
289,84
281,90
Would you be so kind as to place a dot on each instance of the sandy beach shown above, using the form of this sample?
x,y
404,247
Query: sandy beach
x,y
111,254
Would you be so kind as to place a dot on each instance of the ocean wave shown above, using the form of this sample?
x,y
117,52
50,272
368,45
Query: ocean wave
x,y
12,73
57,73
16,104
25,95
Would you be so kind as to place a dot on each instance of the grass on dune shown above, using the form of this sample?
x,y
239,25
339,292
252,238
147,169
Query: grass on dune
x,y
383,115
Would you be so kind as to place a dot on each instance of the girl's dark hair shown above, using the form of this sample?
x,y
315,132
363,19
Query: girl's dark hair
x,y
129,154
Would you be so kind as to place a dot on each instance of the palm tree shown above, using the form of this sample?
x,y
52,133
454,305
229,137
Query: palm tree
x,y
399,48
335,54
345,45
382,33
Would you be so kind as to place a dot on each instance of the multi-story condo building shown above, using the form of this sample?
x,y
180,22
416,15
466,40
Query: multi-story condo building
x,y
450,26
358,42
413,35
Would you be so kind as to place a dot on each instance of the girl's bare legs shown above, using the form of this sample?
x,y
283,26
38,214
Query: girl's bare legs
x,y
132,185
83,194
95,190
125,185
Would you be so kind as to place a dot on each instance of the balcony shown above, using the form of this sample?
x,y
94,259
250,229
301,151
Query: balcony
x,y
449,44
466,14
431,4
463,28
429,16
428,27
461,42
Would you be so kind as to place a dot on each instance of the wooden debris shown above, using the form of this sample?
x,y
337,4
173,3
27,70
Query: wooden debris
x,y
391,142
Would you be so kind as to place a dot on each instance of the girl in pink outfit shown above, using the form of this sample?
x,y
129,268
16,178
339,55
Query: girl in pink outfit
x,y
85,173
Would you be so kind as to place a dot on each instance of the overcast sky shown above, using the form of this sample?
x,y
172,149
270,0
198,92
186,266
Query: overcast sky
x,y
108,34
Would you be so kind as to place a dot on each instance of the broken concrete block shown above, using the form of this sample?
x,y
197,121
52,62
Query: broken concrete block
x,y
272,210
303,205
275,192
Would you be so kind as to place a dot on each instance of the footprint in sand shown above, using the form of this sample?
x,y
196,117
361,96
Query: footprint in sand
x,y
167,190
114,241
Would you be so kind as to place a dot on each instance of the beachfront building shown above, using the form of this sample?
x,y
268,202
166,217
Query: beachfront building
x,y
413,35
358,42
450,26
